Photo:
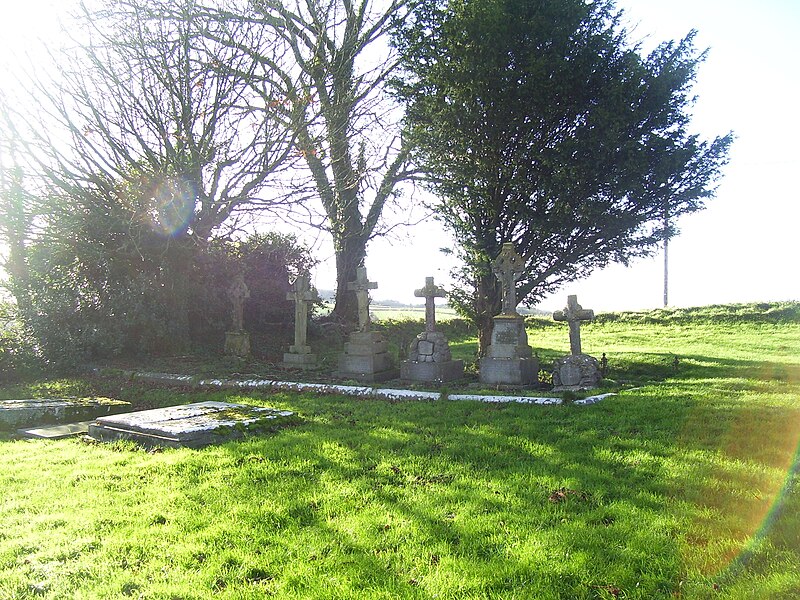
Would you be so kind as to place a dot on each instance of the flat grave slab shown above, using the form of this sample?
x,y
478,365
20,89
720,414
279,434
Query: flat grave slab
x,y
56,432
189,425
15,414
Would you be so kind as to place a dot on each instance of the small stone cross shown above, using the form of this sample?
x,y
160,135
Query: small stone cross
x,y
573,314
303,296
429,292
508,267
361,287
238,293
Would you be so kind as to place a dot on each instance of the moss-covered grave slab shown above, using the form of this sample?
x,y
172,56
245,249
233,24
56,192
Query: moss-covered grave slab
x,y
50,411
189,425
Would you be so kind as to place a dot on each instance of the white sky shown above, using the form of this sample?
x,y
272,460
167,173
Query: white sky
x,y
744,247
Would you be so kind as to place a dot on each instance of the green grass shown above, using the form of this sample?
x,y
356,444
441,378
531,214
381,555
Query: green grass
x,y
686,486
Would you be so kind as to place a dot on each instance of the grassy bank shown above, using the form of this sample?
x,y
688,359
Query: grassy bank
x,y
686,486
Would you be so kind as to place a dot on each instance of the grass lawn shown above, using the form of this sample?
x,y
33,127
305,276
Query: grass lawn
x,y
685,486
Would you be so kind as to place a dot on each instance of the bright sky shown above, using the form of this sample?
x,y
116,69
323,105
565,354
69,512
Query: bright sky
x,y
744,247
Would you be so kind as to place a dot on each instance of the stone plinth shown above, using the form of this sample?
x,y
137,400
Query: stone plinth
x,y
576,372
429,360
237,343
40,411
509,359
189,425
299,360
365,358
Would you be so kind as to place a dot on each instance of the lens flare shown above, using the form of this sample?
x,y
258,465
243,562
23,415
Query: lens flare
x,y
172,206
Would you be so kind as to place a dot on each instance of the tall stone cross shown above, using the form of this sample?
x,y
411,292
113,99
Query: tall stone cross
x,y
303,296
508,267
573,314
238,293
361,286
429,292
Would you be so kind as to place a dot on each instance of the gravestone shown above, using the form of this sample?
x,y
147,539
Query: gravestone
x,y
237,340
50,411
189,425
429,357
509,359
365,357
577,371
299,354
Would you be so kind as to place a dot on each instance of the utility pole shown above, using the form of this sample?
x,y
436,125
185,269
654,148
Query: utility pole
x,y
666,271
666,253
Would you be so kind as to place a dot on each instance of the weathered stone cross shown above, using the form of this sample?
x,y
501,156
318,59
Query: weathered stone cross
x,y
361,286
238,293
429,292
573,314
303,296
508,267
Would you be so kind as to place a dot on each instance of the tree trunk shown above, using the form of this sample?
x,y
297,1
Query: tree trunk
x,y
487,305
350,254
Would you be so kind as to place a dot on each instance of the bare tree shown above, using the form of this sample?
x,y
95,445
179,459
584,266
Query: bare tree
x,y
144,99
327,83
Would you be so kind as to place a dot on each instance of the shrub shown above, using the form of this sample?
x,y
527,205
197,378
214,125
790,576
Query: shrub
x,y
18,359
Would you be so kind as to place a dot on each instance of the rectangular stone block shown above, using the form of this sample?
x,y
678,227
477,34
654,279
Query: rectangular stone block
x,y
39,411
299,361
299,349
56,432
365,337
432,372
373,363
364,349
188,425
509,371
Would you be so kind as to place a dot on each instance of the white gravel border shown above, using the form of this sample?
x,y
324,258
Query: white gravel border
x,y
354,390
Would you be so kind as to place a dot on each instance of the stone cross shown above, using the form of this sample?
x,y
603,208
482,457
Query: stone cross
x,y
573,314
361,287
303,296
429,292
508,267
238,293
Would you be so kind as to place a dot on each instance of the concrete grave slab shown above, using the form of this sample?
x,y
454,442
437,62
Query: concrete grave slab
x,y
56,432
15,414
189,425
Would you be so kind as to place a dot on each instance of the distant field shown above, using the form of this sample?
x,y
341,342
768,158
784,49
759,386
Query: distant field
x,y
378,311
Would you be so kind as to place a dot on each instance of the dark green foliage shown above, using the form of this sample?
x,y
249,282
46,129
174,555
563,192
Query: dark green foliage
x,y
537,123
269,262
102,282
18,358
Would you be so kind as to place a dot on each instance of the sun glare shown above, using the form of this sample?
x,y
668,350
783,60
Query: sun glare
x,y
24,29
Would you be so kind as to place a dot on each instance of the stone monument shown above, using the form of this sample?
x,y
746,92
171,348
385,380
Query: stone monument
x,y
299,354
577,371
429,357
509,359
365,357
237,340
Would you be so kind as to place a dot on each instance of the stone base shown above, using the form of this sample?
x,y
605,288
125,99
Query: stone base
x,y
509,339
509,371
299,361
40,411
576,372
433,372
365,358
237,343
188,425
